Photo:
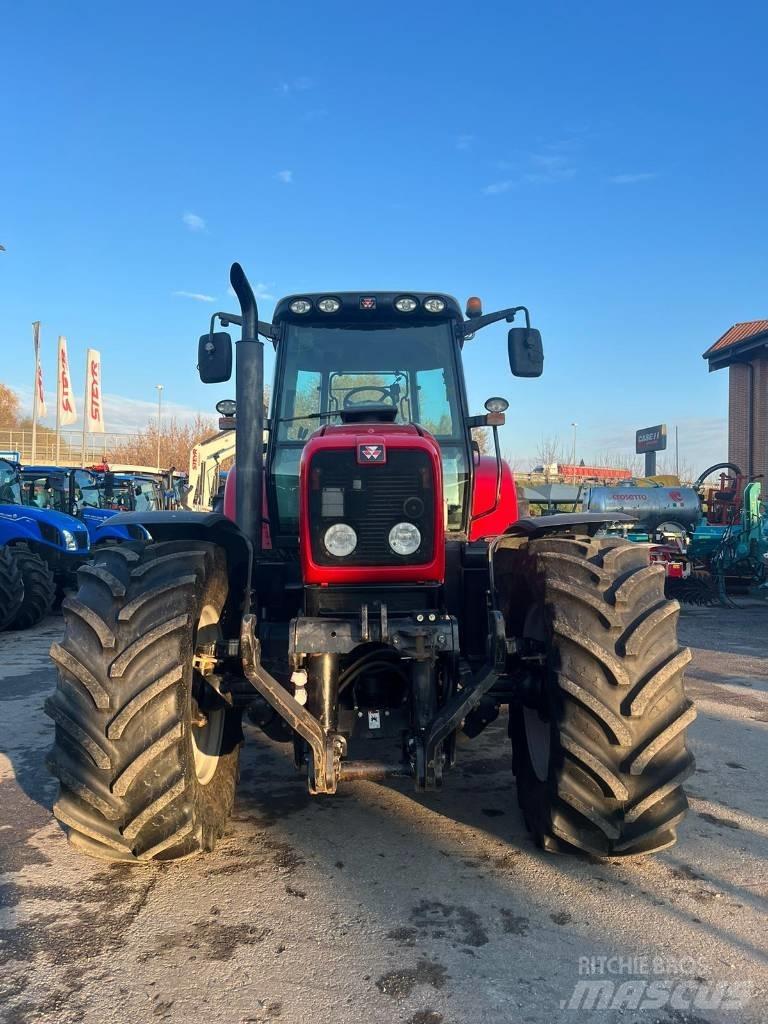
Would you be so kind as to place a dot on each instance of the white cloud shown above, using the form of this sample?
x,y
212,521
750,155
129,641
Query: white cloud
x,y
193,221
197,296
261,291
536,169
703,441
300,84
630,179
497,187
122,415
286,177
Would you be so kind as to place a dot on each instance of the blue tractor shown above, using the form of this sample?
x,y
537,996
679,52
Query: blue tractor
x,y
133,492
43,546
79,493
11,587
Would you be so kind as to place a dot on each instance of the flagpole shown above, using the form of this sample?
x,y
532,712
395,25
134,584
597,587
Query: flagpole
x,y
36,342
85,405
58,407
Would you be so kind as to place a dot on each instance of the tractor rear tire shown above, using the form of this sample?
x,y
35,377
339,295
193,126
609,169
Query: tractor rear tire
x,y
599,750
11,587
39,588
146,751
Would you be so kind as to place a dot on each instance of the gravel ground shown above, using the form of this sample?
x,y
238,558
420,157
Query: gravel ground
x,y
381,906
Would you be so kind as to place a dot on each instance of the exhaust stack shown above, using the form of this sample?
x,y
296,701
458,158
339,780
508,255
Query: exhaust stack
x,y
249,391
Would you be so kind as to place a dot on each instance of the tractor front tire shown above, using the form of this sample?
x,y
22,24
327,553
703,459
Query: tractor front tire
x,y
599,745
39,588
146,751
11,587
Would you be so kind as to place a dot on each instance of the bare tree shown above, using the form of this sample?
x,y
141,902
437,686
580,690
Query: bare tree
x,y
515,462
176,442
483,439
612,459
549,451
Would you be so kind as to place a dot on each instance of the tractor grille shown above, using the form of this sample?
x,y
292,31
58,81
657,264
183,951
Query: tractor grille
x,y
82,539
371,499
49,532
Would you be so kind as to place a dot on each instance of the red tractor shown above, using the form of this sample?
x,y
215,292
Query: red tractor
x,y
371,596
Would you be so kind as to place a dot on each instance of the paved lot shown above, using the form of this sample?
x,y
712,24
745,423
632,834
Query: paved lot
x,y
375,906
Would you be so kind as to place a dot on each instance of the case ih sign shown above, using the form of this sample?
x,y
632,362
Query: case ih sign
x,y
651,439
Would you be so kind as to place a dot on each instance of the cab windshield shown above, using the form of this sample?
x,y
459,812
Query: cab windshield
x,y
10,488
45,491
88,492
134,494
327,370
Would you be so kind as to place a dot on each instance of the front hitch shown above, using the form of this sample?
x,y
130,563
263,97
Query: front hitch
x,y
326,748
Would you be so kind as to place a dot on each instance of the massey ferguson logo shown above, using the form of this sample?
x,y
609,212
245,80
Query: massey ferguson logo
x,y
371,453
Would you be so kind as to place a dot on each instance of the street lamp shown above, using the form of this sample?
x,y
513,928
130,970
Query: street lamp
x,y
573,460
159,415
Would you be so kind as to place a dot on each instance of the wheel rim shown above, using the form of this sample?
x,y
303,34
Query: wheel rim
x,y
207,739
538,735
206,746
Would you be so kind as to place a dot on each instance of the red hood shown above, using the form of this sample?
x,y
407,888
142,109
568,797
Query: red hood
x,y
366,438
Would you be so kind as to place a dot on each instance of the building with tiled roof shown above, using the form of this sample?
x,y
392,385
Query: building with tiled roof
x,y
743,350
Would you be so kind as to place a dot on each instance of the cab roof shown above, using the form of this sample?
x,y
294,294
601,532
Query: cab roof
x,y
371,307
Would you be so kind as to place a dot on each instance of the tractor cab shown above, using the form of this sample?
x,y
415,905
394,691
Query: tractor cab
x,y
79,493
370,359
63,489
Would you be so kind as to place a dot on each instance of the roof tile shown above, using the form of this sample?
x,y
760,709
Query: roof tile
x,y
737,333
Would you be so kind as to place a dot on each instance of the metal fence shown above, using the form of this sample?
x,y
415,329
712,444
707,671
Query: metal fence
x,y
71,451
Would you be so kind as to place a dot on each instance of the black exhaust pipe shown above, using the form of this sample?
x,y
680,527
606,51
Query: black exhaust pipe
x,y
249,394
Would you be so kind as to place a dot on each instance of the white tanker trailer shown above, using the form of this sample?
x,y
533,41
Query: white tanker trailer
x,y
652,507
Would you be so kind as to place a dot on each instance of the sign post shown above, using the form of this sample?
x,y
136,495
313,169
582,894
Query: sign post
x,y
648,441
36,395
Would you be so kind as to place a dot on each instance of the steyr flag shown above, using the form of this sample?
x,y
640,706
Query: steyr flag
x,y
94,410
66,399
41,409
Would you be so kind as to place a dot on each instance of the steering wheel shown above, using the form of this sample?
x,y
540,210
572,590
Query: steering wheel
x,y
386,395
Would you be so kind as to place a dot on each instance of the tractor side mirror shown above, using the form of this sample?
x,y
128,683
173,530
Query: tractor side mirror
x,y
526,352
214,358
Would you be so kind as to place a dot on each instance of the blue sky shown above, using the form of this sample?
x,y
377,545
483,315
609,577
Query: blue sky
x,y
602,163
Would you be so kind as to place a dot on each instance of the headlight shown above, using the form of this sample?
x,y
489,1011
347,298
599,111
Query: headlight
x,y
340,540
301,306
406,304
404,539
497,405
329,305
434,304
69,540
226,407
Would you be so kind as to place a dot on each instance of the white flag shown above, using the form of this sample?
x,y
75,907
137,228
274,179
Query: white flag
x,y
66,399
41,409
94,410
